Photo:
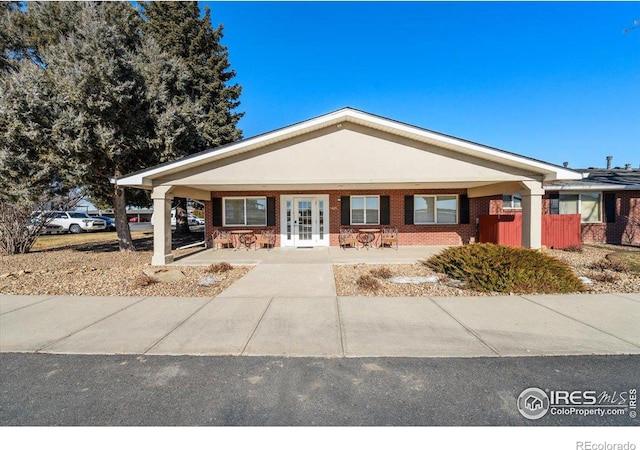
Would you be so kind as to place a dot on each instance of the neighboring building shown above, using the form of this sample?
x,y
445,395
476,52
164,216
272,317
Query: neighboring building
x,y
350,169
607,199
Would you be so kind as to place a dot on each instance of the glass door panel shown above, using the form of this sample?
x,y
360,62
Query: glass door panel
x,y
304,219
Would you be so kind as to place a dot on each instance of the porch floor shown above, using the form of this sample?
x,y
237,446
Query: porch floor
x,y
317,255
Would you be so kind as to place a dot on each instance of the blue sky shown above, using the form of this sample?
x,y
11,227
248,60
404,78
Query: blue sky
x,y
553,81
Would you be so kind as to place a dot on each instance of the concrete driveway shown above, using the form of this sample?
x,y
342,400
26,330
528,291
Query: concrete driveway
x,y
237,323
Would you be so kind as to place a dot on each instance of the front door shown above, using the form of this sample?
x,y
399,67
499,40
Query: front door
x,y
305,221
305,216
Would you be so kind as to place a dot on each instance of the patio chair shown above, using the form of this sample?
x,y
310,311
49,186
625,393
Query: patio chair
x,y
223,238
266,237
348,237
389,236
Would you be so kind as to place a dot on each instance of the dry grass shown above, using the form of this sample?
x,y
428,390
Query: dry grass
x,y
142,280
220,267
98,268
381,272
368,283
630,258
608,264
49,242
347,275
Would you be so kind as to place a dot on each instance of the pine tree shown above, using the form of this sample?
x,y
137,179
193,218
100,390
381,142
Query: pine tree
x,y
101,101
180,31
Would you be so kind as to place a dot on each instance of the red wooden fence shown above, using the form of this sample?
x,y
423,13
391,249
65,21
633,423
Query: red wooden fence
x,y
558,230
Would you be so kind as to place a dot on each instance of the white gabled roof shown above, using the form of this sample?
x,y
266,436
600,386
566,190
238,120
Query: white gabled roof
x,y
550,172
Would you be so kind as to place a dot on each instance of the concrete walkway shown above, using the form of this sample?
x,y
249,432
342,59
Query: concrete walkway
x,y
319,255
245,322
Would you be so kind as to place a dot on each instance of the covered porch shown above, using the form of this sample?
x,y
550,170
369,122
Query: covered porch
x,y
316,255
349,169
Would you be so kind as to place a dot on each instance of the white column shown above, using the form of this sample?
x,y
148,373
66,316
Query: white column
x,y
532,214
161,226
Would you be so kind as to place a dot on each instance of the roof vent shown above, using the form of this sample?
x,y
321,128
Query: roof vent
x,y
627,166
609,158
565,164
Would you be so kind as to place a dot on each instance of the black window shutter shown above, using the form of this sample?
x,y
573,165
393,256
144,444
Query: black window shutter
x,y
408,209
271,211
464,209
610,206
554,203
217,211
385,210
345,210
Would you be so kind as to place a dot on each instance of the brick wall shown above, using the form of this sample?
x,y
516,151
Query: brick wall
x,y
625,229
408,234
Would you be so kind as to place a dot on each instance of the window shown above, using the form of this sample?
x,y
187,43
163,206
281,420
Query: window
x,y
245,211
511,201
588,205
429,209
365,210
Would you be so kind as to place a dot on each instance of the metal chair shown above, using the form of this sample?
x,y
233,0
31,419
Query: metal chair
x,y
223,238
389,236
348,237
266,237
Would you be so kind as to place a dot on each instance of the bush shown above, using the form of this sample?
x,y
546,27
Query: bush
x,y
604,277
610,264
219,267
495,268
381,272
367,282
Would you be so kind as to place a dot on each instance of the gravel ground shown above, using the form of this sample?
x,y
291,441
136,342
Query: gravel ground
x,y
603,280
76,272
346,276
99,270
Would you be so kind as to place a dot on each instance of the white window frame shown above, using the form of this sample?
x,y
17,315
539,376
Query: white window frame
x,y
435,207
224,211
513,208
364,197
579,194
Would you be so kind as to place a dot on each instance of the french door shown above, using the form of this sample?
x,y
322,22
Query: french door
x,y
305,220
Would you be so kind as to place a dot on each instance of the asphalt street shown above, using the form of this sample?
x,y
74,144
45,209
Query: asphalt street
x,y
47,389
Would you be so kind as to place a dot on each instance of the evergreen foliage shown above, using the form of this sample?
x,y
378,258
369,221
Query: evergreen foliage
x,y
86,96
496,268
178,29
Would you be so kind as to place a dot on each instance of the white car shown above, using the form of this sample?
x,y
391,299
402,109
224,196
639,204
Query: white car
x,y
196,219
191,220
76,222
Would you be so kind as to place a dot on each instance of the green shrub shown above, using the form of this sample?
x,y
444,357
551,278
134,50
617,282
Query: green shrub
x,y
367,282
381,272
495,268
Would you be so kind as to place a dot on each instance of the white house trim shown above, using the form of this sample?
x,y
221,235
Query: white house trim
x,y
549,172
